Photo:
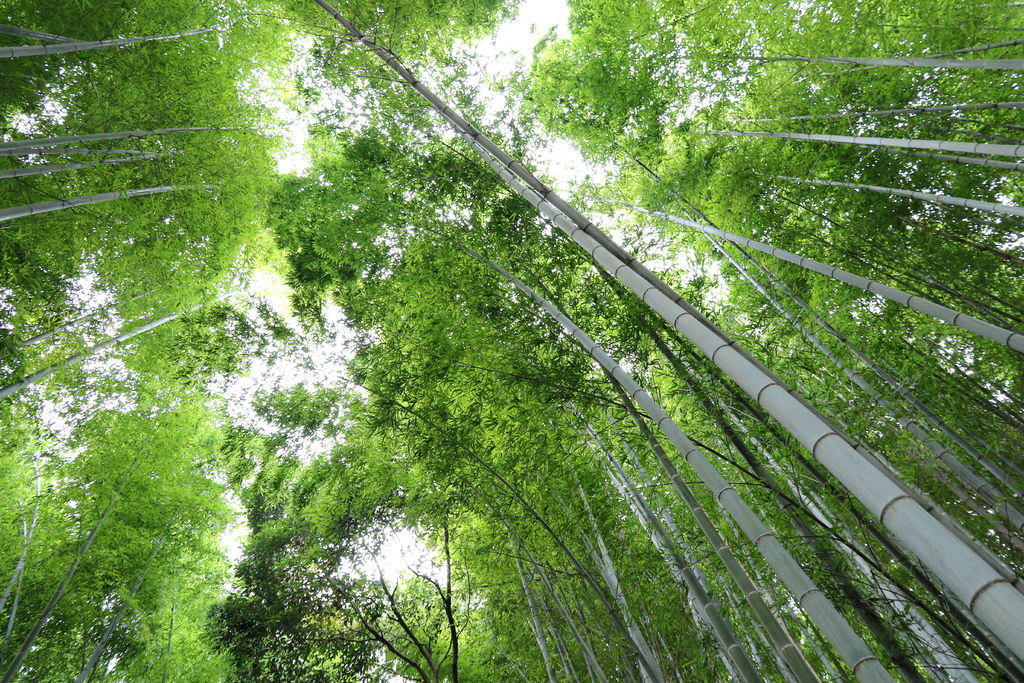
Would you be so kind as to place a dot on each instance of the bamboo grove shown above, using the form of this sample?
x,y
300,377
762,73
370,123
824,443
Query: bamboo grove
x,y
746,405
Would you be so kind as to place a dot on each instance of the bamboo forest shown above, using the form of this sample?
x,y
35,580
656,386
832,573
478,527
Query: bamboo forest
x,y
556,341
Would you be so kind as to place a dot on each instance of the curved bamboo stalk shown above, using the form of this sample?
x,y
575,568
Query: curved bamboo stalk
x,y
1015,340
79,46
909,143
994,600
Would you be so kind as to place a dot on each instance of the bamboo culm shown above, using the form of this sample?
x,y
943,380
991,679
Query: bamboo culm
x,y
35,145
992,207
46,169
85,200
995,601
9,30
1014,340
40,375
846,641
79,46
908,143
893,112
928,62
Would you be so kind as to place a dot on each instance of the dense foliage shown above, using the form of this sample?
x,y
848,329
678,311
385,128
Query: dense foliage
x,y
431,477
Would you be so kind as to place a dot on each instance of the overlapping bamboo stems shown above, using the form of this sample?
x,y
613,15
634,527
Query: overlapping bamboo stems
x,y
978,640
97,651
591,583
776,635
991,207
786,498
708,608
886,259
997,470
872,141
893,112
603,561
535,623
65,47
977,634
1013,339
986,490
851,648
44,617
996,602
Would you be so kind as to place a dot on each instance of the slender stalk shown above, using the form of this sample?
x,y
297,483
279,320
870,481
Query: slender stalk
x,y
46,169
9,30
1015,340
44,617
908,143
79,46
929,62
992,207
40,375
85,200
893,112
116,620
33,145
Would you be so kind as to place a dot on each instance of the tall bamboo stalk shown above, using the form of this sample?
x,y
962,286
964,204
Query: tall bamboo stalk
x,y
85,200
79,46
46,169
992,207
1015,340
908,143
892,112
32,145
